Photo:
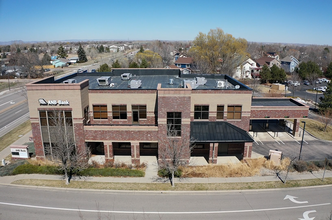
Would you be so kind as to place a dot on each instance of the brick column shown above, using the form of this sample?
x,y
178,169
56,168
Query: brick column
x,y
247,150
213,153
135,154
108,149
37,139
296,126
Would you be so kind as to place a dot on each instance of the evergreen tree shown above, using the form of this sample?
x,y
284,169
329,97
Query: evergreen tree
x,y
61,52
265,74
133,65
101,49
144,64
141,50
116,64
306,69
81,55
104,68
46,59
326,101
277,74
328,72
18,50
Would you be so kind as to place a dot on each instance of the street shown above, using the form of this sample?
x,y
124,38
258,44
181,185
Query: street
x,y
44,203
13,110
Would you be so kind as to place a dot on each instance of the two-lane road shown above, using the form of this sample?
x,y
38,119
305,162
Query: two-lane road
x,y
38,203
13,110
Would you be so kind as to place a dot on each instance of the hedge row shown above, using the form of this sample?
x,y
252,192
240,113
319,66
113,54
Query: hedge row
x,y
30,169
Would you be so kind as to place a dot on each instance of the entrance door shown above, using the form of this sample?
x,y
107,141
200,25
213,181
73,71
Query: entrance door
x,y
135,117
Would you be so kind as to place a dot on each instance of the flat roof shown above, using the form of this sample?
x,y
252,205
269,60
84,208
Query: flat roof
x,y
275,102
150,78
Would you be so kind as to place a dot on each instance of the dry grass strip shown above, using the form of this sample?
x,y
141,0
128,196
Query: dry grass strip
x,y
168,187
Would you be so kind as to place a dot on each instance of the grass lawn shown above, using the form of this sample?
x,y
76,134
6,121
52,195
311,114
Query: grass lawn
x,y
316,128
14,135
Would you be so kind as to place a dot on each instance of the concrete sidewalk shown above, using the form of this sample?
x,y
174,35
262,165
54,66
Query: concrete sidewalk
x,y
151,177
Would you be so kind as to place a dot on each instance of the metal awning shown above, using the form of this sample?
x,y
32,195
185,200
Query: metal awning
x,y
217,132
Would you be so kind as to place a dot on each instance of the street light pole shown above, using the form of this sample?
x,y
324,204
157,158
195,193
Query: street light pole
x,y
8,81
302,139
316,94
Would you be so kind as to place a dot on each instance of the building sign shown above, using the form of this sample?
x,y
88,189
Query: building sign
x,y
53,102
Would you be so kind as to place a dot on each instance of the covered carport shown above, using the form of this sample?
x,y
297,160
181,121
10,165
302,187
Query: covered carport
x,y
220,139
271,113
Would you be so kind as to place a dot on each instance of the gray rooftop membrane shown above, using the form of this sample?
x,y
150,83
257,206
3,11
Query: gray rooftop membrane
x,y
274,102
150,79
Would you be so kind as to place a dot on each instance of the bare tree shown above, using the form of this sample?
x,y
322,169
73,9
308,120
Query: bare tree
x,y
326,118
63,150
174,154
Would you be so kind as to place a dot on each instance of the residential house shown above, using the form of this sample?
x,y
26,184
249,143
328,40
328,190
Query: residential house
x,y
269,61
113,48
60,62
272,55
246,69
289,64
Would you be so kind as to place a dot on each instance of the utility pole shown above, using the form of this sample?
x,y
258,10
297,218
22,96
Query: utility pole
x,y
302,139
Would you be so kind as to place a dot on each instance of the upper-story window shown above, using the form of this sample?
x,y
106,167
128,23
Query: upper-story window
x,y
234,112
138,112
201,112
173,124
220,112
119,111
100,111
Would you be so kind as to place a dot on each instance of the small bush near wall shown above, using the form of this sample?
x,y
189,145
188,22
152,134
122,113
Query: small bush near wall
x,y
30,169
165,173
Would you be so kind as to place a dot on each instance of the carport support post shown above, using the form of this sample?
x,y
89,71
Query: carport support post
x,y
135,154
295,127
302,139
213,152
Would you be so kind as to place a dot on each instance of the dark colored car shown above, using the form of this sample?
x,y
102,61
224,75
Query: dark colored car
x,y
93,71
306,82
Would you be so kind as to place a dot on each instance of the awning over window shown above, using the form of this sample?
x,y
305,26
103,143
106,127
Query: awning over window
x,y
217,132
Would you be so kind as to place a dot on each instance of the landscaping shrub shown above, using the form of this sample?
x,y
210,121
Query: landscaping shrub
x,y
165,173
300,166
30,169
8,169
111,172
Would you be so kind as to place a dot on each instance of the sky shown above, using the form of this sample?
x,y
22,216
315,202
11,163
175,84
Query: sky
x,y
282,21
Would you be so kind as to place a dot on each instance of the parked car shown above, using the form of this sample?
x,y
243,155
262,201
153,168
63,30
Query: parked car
x,y
296,83
79,71
85,71
306,83
321,89
93,71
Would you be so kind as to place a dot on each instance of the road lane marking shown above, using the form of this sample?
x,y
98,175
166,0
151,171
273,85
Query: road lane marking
x,y
6,103
306,215
164,213
293,199
13,122
17,104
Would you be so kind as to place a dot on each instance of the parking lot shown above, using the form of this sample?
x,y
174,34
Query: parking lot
x,y
277,137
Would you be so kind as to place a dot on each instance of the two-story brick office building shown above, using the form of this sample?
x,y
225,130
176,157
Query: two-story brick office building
x,y
136,112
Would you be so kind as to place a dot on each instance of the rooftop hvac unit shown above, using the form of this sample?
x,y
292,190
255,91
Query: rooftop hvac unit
x,y
69,81
200,81
126,76
104,80
220,84
237,86
135,84
192,82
